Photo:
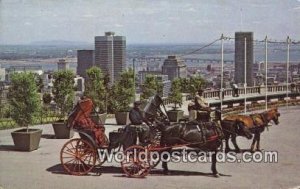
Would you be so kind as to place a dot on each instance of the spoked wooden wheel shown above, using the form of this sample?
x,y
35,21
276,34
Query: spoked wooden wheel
x,y
78,157
136,162
154,160
102,151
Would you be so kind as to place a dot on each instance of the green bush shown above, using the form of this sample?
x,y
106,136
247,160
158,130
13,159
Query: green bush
x,y
176,95
47,98
5,110
122,93
150,87
23,98
95,88
63,91
192,85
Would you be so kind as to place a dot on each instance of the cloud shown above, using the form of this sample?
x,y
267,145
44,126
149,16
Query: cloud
x,y
191,9
28,24
256,22
87,16
119,25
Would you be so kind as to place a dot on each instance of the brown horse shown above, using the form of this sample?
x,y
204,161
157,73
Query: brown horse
x,y
254,123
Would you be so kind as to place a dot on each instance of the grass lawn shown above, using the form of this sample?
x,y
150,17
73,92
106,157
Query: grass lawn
x,y
8,123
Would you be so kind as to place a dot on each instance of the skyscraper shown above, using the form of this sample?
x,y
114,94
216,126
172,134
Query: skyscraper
x,y
174,68
110,54
85,60
240,57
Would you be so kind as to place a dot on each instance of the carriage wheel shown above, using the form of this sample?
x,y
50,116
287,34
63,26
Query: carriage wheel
x,y
78,156
101,161
153,163
154,160
136,162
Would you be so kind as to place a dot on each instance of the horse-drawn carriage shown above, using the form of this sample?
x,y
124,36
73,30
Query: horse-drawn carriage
x,y
79,156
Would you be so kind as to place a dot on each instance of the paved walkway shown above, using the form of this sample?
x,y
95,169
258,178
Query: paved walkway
x,y
41,168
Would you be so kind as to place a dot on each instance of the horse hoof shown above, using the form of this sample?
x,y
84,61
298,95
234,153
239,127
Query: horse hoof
x,y
217,175
227,150
166,172
237,151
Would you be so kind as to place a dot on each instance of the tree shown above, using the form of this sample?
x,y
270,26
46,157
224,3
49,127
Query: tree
x,y
63,91
184,84
96,89
150,87
175,95
122,93
23,98
195,84
39,82
47,98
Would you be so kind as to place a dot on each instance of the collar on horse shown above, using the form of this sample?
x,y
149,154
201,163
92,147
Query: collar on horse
x,y
262,117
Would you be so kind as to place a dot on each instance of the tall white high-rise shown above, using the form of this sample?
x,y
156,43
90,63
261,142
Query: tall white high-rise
x,y
110,54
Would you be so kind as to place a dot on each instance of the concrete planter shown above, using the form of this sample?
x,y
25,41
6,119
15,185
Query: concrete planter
x,y
99,118
62,131
122,118
175,115
27,141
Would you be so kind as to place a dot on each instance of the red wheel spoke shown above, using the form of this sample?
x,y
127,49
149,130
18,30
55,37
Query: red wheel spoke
x,y
70,161
69,153
78,157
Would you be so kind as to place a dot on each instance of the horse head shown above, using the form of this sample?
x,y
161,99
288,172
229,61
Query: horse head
x,y
273,115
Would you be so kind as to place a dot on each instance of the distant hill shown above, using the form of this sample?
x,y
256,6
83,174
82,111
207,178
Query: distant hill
x,y
60,43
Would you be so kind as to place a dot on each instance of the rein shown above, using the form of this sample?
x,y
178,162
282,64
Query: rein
x,y
159,148
230,131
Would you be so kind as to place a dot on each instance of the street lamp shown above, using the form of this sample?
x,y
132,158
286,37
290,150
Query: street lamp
x,y
133,65
266,71
287,69
222,67
245,75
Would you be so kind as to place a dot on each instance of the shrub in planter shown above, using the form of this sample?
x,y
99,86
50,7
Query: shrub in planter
x,y
150,87
95,89
63,92
47,98
176,98
25,103
192,85
121,96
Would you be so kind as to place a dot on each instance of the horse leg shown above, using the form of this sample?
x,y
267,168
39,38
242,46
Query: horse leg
x,y
233,140
213,165
227,136
253,142
165,164
258,142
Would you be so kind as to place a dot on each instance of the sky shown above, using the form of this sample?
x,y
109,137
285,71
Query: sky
x,y
146,21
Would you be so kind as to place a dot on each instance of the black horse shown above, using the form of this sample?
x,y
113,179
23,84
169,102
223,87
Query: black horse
x,y
202,136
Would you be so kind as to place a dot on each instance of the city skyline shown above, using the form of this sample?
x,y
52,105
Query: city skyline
x,y
166,21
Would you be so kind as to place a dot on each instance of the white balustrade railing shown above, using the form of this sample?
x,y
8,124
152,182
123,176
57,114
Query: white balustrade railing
x,y
249,90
